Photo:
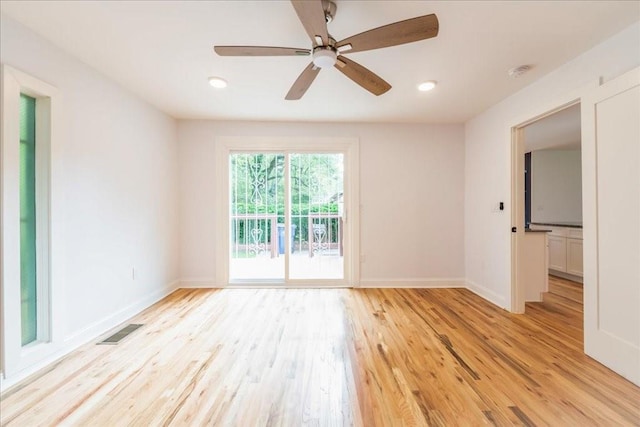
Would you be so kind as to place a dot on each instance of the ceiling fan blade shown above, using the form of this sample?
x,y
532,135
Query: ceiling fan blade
x,y
260,51
311,15
303,82
410,30
364,77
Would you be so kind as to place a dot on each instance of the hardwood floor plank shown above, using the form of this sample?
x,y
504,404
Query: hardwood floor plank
x,y
363,357
566,288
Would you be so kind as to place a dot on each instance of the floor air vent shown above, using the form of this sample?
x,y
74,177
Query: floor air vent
x,y
121,334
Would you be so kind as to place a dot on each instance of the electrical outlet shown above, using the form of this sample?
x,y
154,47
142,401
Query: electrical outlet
x,y
133,273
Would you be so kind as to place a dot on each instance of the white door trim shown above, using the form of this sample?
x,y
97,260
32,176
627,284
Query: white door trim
x,y
517,299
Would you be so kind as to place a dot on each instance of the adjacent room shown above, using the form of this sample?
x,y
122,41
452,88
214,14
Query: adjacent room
x,y
320,212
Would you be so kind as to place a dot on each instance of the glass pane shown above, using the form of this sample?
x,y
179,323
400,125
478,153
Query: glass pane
x,y
317,188
257,209
28,219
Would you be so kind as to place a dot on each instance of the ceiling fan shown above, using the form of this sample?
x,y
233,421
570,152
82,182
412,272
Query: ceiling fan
x,y
326,52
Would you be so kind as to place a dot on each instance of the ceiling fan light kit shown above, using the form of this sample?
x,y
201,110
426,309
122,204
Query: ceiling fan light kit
x,y
324,56
326,52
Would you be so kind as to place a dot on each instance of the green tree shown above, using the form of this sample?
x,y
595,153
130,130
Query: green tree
x,y
258,188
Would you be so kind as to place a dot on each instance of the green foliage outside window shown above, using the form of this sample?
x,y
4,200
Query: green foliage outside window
x,y
258,189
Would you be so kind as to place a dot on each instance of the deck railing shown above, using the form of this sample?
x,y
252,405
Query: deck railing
x,y
258,234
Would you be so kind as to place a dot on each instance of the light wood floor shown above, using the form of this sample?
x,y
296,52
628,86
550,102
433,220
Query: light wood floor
x,y
258,357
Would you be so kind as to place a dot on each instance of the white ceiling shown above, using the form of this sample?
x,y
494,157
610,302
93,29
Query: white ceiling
x,y
162,51
559,131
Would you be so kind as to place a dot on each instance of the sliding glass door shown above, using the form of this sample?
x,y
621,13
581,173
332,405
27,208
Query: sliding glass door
x,y
256,211
286,217
316,207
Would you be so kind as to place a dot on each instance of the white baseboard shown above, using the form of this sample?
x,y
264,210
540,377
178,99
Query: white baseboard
x,y
567,276
364,283
198,282
113,320
487,294
72,342
413,283
419,283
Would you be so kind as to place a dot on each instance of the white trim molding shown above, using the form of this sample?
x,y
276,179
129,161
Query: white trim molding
x,y
488,294
198,282
516,292
111,321
418,283
421,283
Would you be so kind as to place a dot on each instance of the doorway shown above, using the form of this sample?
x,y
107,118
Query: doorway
x,y
546,195
292,212
263,247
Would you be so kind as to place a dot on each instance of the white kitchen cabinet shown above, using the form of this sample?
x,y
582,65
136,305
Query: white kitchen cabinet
x,y
565,248
558,253
574,256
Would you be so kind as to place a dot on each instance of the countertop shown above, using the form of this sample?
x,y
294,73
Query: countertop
x,y
560,224
528,230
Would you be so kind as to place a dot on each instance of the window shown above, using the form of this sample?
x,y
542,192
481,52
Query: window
x,y
28,260
27,302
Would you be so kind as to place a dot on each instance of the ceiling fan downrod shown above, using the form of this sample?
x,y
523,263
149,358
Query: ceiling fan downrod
x,y
330,9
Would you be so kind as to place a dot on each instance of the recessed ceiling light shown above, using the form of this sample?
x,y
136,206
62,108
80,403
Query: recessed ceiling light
x,y
217,82
426,86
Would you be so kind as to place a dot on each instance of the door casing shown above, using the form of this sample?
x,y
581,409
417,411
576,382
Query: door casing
x,y
517,184
348,146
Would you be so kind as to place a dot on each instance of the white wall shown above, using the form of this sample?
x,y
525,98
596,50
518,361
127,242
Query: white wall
x,y
556,186
411,195
114,195
488,164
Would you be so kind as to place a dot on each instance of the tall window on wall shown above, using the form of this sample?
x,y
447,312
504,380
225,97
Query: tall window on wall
x,y
28,253
27,300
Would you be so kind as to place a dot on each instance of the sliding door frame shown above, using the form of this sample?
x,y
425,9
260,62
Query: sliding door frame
x,y
349,147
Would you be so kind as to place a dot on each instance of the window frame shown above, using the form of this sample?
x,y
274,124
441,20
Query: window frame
x,y
15,357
